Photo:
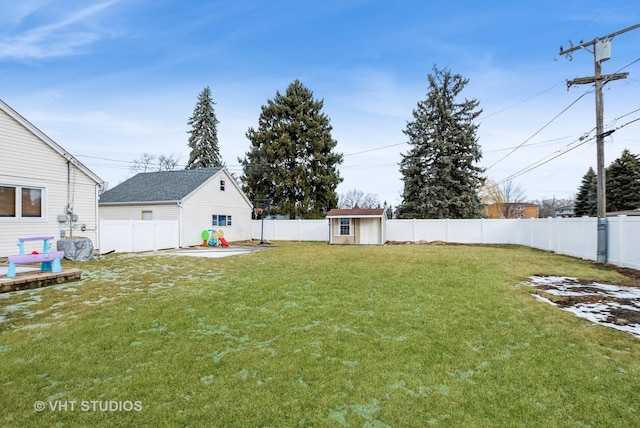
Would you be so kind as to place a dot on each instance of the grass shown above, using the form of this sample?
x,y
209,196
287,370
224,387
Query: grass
x,y
307,334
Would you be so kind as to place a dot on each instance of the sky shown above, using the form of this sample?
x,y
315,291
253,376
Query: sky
x,y
110,80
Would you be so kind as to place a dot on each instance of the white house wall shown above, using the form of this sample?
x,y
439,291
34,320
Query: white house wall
x,y
26,160
134,212
199,207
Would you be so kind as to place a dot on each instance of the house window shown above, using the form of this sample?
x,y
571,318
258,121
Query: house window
x,y
222,185
7,201
147,215
345,226
31,202
221,220
30,205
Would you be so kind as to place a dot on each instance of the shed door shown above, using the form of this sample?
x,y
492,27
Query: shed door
x,y
369,232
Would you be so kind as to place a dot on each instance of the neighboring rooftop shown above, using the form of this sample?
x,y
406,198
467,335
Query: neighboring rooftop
x,y
355,212
163,186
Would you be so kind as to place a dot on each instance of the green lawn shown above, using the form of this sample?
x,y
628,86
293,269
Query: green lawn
x,y
307,334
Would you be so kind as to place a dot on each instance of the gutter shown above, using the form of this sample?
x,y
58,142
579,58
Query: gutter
x,y
107,204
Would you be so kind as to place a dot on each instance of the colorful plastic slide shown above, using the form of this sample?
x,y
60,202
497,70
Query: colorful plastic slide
x,y
223,242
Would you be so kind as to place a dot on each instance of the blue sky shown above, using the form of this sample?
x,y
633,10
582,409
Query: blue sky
x,y
110,80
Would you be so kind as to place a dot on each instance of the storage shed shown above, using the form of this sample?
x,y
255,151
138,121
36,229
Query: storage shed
x,y
357,226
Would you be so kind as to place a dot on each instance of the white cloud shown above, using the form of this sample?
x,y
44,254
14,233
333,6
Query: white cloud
x,y
64,35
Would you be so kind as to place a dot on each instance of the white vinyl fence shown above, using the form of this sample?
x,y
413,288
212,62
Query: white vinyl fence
x,y
132,236
575,237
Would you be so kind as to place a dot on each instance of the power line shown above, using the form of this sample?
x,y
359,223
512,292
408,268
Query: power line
x,y
560,152
539,143
628,65
100,158
538,131
542,161
592,19
518,103
376,148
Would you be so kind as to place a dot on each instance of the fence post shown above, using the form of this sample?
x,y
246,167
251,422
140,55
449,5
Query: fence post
x,y
413,229
446,230
621,226
154,233
584,237
132,231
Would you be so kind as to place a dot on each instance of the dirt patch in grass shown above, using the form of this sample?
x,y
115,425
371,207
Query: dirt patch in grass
x,y
611,305
632,274
423,242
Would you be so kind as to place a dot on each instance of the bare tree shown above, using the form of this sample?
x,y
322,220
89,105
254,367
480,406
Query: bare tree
x,y
144,164
167,163
148,163
504,196
357,198
511,194
490,193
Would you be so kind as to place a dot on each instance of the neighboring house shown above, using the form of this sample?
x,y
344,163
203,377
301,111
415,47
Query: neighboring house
x,y
511,210
199,199
362,226
565,212
40,182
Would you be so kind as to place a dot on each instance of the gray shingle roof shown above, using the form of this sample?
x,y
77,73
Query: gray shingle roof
x,y
158,186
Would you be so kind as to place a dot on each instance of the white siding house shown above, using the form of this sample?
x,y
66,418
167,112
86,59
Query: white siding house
x,y
199,199
39,181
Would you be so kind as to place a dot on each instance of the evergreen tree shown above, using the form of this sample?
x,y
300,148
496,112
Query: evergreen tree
x,y
441,179
587,198
203,138
291,159
623,183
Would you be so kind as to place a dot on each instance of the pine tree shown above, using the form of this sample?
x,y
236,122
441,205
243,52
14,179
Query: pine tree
x,y
441,178
291,159
623,183
587,199
203,138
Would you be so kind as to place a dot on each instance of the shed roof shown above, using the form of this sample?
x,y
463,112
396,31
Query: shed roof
x,y
356,212
162,186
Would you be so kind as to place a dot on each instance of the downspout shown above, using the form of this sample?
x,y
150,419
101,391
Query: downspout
x,y
68,183
98,186
68,210
180,224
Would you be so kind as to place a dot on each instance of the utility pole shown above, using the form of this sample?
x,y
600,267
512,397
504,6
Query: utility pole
x,y
601,53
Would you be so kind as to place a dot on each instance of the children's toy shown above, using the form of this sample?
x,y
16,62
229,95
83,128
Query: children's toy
x,y
213,238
